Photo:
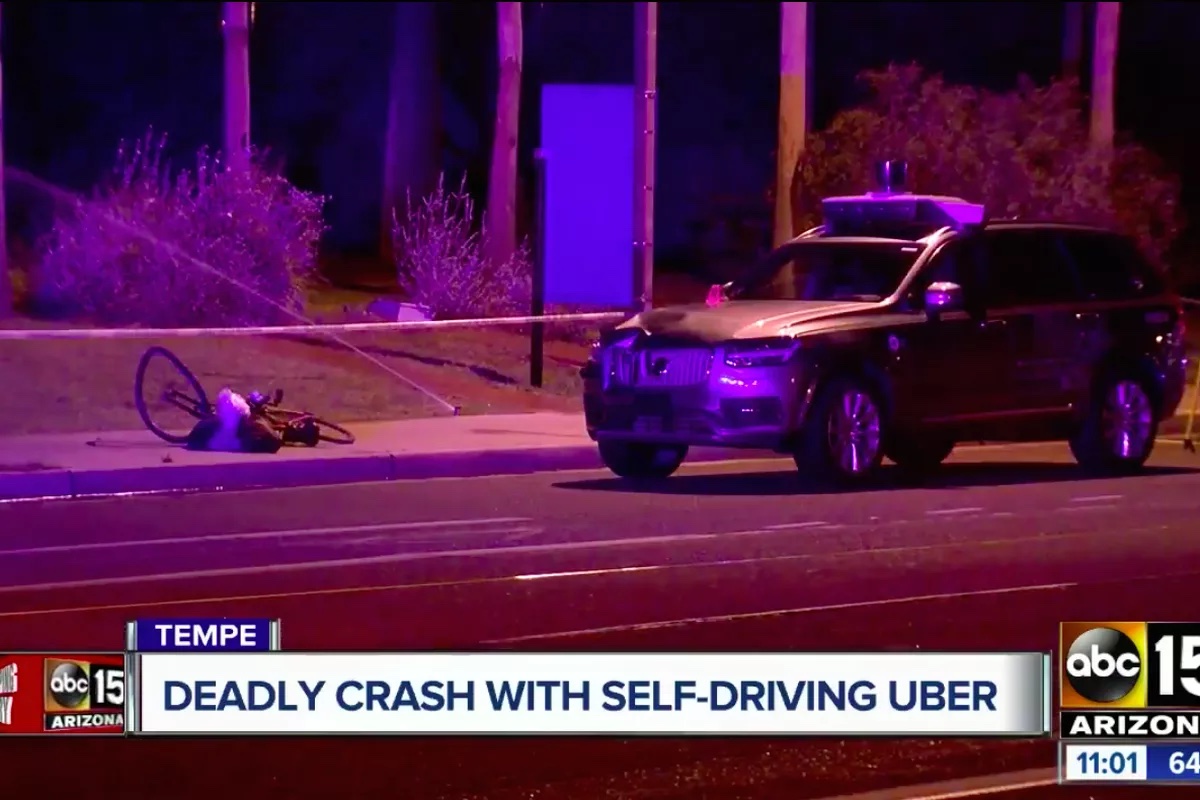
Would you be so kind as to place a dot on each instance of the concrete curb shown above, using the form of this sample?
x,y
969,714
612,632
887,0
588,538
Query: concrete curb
x,y
262,473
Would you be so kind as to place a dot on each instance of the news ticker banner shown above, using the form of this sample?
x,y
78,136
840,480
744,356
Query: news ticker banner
x,y
1129,680
682,694
92,694
62,693
212,637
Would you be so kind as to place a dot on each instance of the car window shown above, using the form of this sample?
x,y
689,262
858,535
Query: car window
x,y
1111,268
824,270
1026,268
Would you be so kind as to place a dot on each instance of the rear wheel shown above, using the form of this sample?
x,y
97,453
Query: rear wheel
x,y
919,453
1117,435
842,439
642,460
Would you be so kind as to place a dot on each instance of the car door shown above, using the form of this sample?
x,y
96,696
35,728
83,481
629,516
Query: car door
x,y
952,368
1034,289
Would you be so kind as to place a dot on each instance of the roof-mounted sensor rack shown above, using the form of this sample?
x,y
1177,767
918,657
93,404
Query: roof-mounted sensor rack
x,y
891,212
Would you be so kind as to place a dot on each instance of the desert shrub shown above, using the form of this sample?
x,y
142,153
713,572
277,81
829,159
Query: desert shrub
x,y
1021,153
442,262
202,247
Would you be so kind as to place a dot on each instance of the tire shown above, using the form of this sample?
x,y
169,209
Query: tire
x,y
1123,400
642,460
192,398
819,454
919,453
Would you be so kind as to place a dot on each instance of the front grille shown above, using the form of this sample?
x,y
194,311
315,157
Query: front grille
x,y
659,367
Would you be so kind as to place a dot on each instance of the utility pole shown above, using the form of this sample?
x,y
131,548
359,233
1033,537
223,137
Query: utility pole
x,y
645,48
235,24
6,285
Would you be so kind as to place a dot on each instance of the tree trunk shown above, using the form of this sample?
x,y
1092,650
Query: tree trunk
x,y
412,156
236,27
1072,41
793,111
500,217
6,285
1104,74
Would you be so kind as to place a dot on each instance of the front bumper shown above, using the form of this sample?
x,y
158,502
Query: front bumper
x,y
745,407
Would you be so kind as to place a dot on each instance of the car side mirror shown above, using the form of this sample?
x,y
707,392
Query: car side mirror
x,y
943,297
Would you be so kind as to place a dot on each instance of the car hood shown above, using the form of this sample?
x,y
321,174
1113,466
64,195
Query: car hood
x,y
740,319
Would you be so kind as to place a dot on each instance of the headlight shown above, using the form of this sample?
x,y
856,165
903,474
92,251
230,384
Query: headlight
x,y
761,352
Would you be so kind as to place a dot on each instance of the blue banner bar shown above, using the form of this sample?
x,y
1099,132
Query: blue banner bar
x,y
206,635
1173,762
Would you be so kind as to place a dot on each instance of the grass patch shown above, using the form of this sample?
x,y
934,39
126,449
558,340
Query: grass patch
x,y
87,385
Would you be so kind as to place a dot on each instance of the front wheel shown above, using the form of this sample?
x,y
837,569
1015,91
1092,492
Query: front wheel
x,y
1117,435
642,460
842,439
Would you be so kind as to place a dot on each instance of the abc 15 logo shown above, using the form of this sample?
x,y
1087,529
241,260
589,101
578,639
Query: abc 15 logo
x,y
73,686
1129,664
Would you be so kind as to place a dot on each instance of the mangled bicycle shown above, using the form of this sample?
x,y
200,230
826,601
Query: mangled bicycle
x,y
166,413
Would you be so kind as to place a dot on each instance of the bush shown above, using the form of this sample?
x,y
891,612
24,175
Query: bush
x,y
441,260
1021,153
207,247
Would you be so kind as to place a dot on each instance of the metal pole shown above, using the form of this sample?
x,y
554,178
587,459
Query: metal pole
x,y
6,284
645,48
537,334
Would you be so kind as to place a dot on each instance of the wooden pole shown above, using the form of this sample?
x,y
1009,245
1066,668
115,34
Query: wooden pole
x,y
235,25
1104,74
645,119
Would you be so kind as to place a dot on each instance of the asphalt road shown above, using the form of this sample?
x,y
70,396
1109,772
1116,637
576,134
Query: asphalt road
x,y
991,554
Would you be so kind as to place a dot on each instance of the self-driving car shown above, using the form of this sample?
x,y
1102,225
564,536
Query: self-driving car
x,y
901,326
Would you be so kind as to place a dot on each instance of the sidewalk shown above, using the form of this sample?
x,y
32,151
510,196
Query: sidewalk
x,y
81,464
60,465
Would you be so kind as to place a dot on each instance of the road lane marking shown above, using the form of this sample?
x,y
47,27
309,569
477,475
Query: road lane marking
x,y
538,549
937,512
283,534
484,552
794,525
482,581
1097,498
781,612
963,787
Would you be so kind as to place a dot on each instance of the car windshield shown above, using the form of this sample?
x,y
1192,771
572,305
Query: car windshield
x,y
829,270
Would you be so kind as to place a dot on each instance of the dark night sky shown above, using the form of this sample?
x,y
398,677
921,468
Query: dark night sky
x,y
81,76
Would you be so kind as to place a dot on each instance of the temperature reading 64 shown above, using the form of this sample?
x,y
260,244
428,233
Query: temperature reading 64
x,y
1185,762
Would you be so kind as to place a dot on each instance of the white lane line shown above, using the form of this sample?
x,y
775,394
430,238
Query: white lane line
x,y
939,512
965,787
1097,498
795,525
1002,514
679,623
392,558
527,549
1090,507
284,534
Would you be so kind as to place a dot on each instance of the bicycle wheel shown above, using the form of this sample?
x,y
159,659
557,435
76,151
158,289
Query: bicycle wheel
x,y
165,413
326,431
